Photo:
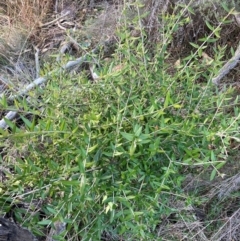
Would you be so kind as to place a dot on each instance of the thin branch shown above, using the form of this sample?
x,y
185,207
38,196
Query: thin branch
x,y
37,62
55,20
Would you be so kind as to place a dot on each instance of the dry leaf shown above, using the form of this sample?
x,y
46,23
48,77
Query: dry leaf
x,y
117,68
177,64
207,60
237,18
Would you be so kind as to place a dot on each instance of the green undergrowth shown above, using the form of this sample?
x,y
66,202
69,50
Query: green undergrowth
x,y
99,156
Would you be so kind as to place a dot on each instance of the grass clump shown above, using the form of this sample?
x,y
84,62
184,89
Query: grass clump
x,y
102,155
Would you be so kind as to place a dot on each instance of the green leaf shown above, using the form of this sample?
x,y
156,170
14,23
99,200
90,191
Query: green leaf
x,y
45,222
213,174
92,148
3,132
48,126
177,106
127,136
30,125
225,7
220,165
195,45
70,183
137,130
51,210
167,100
208,40
3,102
191,10
216,32
62,125
132,148
12,125
213,157
210,26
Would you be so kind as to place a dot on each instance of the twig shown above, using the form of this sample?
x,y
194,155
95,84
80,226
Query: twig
x,y
60,26
227,67
37,61
56,6
55,20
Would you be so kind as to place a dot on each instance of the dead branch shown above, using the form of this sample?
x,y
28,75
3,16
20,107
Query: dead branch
x,y
227,67
10,116
54,21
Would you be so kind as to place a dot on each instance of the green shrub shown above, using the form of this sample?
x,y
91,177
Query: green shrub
x,y
102,155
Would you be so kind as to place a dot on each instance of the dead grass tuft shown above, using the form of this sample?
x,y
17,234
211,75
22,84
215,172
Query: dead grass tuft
x,y
230,230
19,21
27,12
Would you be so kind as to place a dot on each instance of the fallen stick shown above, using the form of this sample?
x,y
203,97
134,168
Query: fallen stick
x,y
227,67
9,116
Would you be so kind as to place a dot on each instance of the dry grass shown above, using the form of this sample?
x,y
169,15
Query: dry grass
x,y
216,218
19,20
27,12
